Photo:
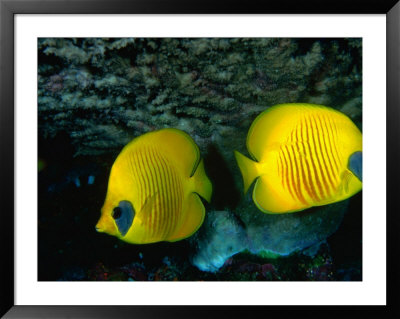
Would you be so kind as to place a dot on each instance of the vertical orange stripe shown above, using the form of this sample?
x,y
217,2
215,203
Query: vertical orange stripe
x,y
136,177
336,144
158,211
306,141
174,208
316,158
298,181
160,194
304,178
312,156
327,152
163,193
178,195
321,158
152,211
135,172
143,191
168,188
297,161
335,152
131,164
330,147
154,194
174,195
291,170
288,183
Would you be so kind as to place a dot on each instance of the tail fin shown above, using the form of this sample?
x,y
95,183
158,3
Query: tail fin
x,y
202,184
248,168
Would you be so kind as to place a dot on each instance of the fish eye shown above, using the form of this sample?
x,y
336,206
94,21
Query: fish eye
x,y
116,213
123,215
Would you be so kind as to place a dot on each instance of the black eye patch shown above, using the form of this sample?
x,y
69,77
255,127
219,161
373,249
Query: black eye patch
x,y
355,164
117,212
123,215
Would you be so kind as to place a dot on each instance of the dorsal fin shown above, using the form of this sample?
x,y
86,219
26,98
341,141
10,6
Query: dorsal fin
x,y
177,145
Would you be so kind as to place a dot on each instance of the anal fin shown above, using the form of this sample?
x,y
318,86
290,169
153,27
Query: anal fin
x,y
272,198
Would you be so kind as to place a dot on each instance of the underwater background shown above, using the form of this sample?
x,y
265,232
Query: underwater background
x,y
96,94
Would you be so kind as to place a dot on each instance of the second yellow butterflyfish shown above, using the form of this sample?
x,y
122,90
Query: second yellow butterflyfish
x,y
304,155
153,189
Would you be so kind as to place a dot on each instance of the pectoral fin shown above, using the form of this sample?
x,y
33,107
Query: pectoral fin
x,y
148,206
193,217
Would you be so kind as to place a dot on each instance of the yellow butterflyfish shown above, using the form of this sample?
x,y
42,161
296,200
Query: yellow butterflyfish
x,y
304,155
153,189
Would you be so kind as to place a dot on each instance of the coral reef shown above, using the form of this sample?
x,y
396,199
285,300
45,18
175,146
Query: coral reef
x,y
224,234
221,237
96,94
103,92
241,267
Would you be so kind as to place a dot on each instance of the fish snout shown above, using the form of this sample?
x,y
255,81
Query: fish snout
x,y
105,226
99,229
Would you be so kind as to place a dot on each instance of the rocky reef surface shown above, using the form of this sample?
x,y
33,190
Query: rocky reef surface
x,y
224,234
96,94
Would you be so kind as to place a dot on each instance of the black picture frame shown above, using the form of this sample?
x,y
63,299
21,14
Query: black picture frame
x,y
8,10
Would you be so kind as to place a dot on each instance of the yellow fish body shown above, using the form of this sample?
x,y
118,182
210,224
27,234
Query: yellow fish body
x,y
153,189
304,155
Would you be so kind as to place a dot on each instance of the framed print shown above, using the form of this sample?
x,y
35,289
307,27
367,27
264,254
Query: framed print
x,y
162,155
